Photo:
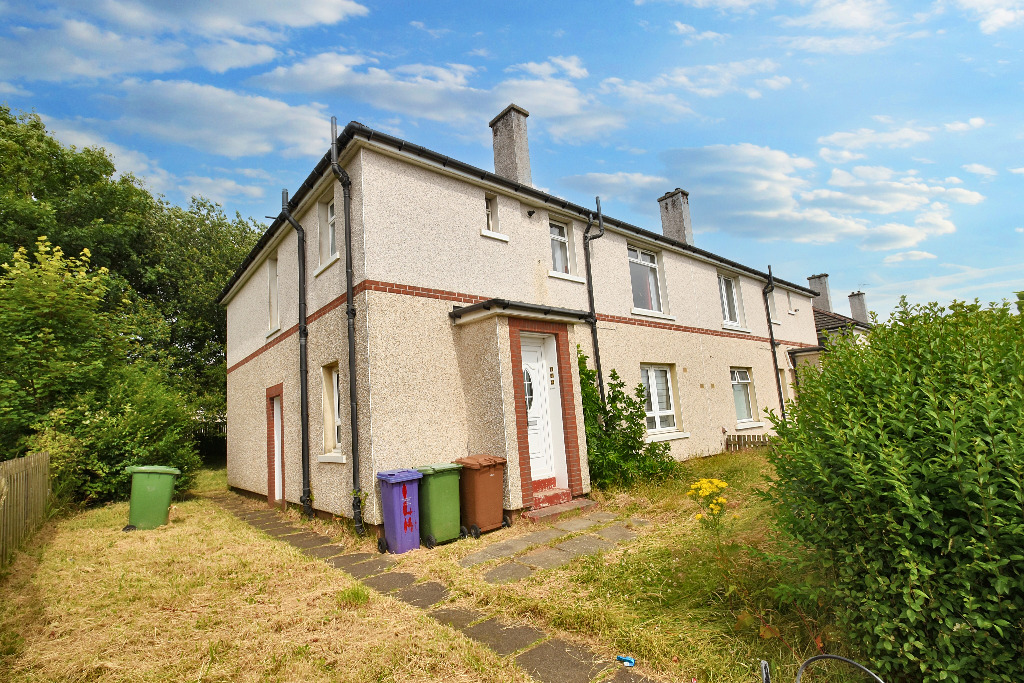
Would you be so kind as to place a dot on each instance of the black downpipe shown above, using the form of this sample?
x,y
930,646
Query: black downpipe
x,y
587,239
306,499
350,309
768,289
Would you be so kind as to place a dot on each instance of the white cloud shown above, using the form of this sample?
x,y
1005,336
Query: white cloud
x,y
222,121
80,133
959,282
12,89
251,19
637,189
432,32
979,169
77,49
970,124
228,54
839,156
646,96
1018,229
720,5
775,82
218,189
695,36
907,256
480,52
841,45
715,80
571,67
856,15
994,15
866,137
1017,171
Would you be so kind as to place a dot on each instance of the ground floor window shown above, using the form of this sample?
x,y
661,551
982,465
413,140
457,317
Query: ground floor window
x,y
332,408
741,394
658,387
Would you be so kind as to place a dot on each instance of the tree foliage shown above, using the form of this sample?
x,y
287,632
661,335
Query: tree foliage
x,y
903,467
617,452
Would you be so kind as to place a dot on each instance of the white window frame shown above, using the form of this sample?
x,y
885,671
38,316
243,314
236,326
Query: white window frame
x,y
737,301
332,415
490,227
658,413
748,383
563,241
789,303
653,266
772,309
273,296
327,239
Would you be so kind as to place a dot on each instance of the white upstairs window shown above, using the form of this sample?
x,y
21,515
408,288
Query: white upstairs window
x,y
771,307
741,394
328,233
732,311
643,275
658,388
559,248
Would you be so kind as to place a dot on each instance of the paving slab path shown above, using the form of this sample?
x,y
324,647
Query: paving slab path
x,y
548,660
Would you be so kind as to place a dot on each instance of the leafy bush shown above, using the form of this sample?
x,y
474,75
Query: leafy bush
x,y
903,467
616,450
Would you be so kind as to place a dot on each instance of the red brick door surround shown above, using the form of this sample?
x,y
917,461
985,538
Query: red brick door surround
x,y
276,391
560,331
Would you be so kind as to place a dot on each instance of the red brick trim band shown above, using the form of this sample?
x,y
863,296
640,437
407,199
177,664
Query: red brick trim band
x,y
458,297
276,391
569,429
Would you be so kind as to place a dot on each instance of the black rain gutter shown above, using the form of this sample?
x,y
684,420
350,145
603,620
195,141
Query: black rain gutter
x,y
350,309
307,503
505,304
587,239
354,129
765,293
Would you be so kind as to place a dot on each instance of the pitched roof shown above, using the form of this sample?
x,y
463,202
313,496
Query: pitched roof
x,y
355,129
827,321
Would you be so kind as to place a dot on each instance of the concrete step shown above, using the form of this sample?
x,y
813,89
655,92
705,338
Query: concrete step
x,y
543,485
553,512
549,497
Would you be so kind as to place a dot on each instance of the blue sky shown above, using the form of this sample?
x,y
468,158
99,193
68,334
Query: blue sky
x,y
876,141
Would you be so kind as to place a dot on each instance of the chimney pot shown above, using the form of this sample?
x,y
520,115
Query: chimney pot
x,y
859,309
511,146
819,283
675,216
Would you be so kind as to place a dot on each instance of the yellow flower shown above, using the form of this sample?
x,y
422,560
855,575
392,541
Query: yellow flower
x,y
700,516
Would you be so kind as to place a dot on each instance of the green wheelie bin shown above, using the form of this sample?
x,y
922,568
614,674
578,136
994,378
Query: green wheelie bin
x,y
439,504
152,487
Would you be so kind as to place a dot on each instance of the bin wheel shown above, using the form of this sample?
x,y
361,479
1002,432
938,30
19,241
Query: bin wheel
x,y
474,531
506,521
130,527
382,545
430,541
463,532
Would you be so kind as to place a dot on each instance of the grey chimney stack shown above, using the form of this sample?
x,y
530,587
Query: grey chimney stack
x,y
819,283
859,309
675,216
511,148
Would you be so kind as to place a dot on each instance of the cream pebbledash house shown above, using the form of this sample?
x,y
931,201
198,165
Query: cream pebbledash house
x,y
469,294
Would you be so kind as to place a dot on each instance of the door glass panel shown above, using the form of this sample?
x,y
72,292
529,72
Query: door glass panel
x,y
528,388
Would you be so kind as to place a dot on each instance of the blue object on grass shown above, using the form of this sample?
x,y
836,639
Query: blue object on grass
x,y
628,661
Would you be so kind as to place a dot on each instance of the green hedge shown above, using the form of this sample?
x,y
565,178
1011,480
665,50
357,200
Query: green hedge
x,y
903,467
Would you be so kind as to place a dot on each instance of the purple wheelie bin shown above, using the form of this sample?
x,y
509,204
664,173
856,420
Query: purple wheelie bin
x,y
400,501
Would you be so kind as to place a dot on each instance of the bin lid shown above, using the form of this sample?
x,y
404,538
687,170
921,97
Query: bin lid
x,y
152,469
438,467
475,462
397,476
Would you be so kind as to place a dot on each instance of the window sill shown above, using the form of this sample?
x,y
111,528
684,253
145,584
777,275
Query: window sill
x,y
652,314
274,331
566,276
333,457
666,436
791,312
735,327
749,425
494,235
330,262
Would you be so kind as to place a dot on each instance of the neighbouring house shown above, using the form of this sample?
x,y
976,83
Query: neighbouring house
x,y
827,322
469,296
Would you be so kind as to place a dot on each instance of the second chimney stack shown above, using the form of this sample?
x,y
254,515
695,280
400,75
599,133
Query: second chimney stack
x,y
675,216
511,147
859,309
819,283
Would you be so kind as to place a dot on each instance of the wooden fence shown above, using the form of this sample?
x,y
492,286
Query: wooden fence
x,y
739,442
24,489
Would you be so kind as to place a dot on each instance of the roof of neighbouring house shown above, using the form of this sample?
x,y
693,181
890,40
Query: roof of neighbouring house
x,y
355,129
827,321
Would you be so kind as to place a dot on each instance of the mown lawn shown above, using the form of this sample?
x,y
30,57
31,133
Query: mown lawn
x,y
209,598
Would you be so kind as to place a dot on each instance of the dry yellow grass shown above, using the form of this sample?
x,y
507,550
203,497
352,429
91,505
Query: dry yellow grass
x,y
208,598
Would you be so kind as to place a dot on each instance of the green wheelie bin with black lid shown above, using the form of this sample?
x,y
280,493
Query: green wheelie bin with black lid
x,y
439,504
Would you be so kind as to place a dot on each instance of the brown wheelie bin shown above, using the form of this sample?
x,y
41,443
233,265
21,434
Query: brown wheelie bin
x,y
481,492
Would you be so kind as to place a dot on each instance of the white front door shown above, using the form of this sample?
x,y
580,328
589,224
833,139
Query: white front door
x,y
542,394
278,455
